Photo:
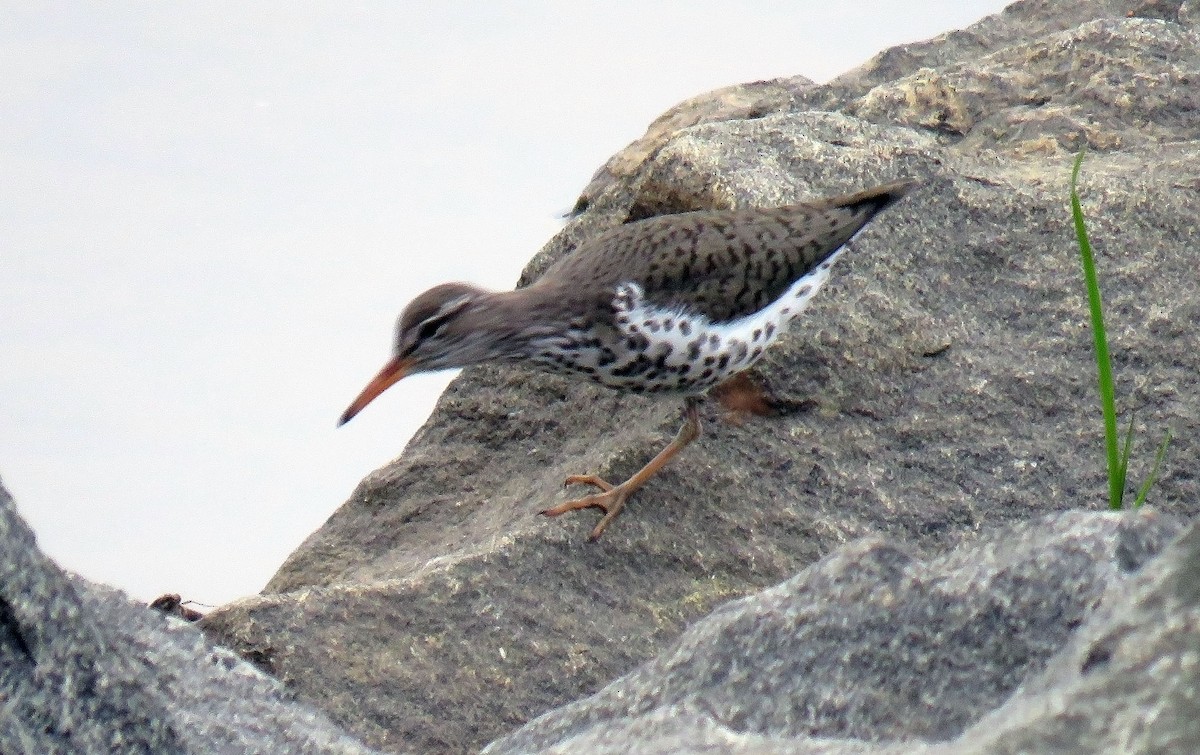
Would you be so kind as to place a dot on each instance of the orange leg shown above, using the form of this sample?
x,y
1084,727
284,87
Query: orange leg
x,y
612,498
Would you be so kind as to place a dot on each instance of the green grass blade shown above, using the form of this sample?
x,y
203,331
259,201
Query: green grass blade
x,y
1103,361
1158,459
1123,465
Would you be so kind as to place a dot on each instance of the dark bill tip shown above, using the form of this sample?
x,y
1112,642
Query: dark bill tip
x,y
391,373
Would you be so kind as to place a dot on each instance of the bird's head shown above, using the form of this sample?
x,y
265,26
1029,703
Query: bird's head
x,y
438,330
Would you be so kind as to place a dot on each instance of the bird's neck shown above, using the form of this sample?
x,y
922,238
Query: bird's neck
x,y
510,324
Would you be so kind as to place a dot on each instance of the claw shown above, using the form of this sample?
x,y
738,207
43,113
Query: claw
x,y
612,498
588,479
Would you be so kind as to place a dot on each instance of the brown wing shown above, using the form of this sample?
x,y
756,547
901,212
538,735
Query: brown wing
x,y
723,265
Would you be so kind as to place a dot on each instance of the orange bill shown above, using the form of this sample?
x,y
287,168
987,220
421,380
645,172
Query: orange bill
x,y
391,373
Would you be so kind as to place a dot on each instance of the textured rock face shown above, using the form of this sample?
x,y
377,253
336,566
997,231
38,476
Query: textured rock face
x,y
873,645
84,670
950,370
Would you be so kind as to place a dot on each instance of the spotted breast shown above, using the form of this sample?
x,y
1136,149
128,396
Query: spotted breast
x,y
682,302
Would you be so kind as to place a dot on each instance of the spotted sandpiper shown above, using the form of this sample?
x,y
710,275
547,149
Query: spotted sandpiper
x,y
676,303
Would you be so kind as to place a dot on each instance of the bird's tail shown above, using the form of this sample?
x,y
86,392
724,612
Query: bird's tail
x,y
874,200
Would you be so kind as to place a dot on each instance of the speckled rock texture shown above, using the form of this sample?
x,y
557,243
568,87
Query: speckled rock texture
x,y
947,372
874,645
85,670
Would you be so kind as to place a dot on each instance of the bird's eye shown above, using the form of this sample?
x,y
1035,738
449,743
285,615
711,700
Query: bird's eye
x,y
429,328
412,336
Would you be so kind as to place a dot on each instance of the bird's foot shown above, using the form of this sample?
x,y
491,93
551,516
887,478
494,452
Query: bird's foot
x,y
610,500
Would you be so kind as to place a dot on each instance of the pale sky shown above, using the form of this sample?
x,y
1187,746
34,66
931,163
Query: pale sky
x,y
212,214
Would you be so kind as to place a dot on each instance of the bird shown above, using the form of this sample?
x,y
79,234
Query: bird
x,y
674,304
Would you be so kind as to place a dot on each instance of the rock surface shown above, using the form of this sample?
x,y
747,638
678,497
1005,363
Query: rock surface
x,y
949,363
85,670
872,645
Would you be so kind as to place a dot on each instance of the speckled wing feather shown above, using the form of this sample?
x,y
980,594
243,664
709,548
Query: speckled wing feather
x,y
722,264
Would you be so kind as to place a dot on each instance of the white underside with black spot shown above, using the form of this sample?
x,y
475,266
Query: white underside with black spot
x,y
676,350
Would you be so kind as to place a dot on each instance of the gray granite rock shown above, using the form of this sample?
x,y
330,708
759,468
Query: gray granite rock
x,y
875,650
732,103
1189,14
1128,681
85,670
948,366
